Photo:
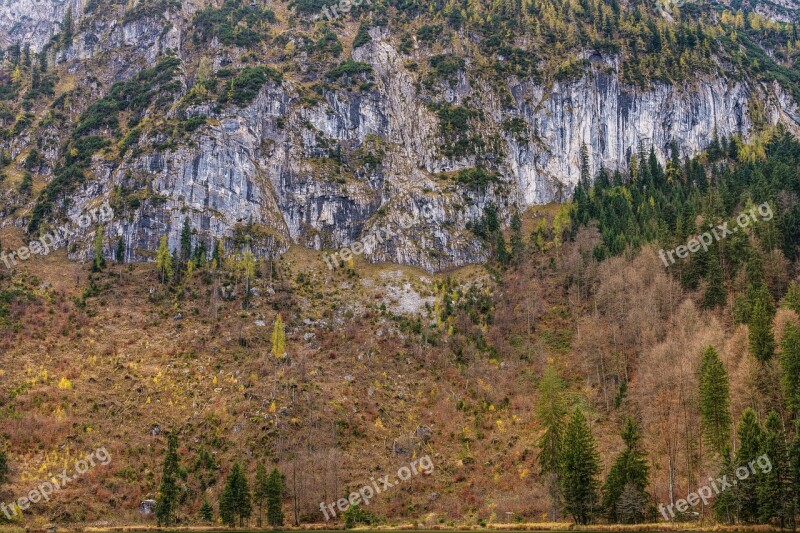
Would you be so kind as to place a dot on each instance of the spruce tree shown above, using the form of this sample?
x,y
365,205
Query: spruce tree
x,y
762,341
773,486
791,299
275,498
790,368
551,412
66,28
794,472
628,475
579,469
206,511
3,467
167,500
260,490
500,250
714,295
186,240
119,253
234,502
724,505
217,254
750,440
715,416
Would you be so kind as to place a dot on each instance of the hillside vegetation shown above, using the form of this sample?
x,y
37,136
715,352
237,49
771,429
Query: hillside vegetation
x,y
573,377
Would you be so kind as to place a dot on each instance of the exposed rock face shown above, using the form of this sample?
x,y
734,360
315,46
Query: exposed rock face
x,y
267,165
33,21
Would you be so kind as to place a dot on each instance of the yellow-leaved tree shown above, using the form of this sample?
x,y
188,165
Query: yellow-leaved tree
x,y
164,260
279,338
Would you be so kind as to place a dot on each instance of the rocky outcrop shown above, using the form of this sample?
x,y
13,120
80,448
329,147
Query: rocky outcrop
x,y
288,169
33,21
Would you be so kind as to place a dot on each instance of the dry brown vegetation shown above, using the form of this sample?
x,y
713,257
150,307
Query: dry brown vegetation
x,y
359,382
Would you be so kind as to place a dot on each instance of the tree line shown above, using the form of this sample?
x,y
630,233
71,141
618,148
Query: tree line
x,y
236,502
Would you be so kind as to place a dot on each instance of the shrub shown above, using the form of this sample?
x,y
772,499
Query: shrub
x,y
245,86
347,69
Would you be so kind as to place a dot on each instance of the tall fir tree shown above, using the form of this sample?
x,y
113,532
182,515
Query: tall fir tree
x,y
119,253
206,511
762,341
275,498
629,477
66,28
790,368
774,483
714,295
234,502
794,473
580,466
551,412
168,492
791,300
186,241
260,491
724,505
715,415
750,439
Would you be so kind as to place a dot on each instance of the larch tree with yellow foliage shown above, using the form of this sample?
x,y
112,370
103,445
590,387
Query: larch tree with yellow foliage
x,y
279,338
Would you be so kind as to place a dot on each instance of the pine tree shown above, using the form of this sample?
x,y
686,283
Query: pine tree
x,y
164,260
3,467
791,299
119,253
715,416
186,240
66,28
750,438
206,511
275,498
216,255
579,469
585,177
234,502
629,474
278,338
167,500
774,485
762,341
725,503
551,412
260,490
794,471
714,295
500,250
790,368
98,262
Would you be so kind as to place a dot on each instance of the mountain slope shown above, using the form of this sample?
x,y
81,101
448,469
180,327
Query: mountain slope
x,y
320,132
